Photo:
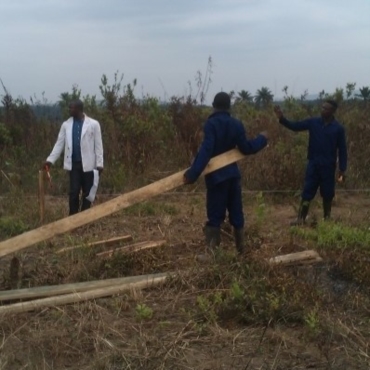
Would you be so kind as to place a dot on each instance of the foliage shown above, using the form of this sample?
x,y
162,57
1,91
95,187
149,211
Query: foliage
x,y
336,235
144,135
10,226
143,312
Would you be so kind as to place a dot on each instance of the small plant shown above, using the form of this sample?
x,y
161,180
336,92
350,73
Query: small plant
x,y
207,307
143,312
261,209
237,293
312,321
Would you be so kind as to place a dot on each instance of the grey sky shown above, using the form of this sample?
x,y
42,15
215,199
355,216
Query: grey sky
x,y
49,45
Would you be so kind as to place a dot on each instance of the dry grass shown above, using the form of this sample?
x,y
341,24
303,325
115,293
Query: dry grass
x,y
230,314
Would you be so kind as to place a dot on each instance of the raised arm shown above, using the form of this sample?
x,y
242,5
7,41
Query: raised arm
x,y
253,146
293,126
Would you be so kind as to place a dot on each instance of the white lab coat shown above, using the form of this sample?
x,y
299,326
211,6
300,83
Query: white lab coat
x,y
91,145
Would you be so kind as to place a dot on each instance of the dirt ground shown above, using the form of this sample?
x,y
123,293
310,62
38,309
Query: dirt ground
x,y
111,334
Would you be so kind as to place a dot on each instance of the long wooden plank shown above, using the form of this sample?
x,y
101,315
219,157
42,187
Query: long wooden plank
x,y
132,248
98,243
79,297
54,290
114,205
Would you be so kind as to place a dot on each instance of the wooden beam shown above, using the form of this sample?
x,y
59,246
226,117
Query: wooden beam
x,y
42,196
98,243
132,248
114,205
80,297
309,256
54,290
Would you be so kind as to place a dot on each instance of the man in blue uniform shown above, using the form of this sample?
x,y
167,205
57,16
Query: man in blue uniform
x,y
221,134
327,141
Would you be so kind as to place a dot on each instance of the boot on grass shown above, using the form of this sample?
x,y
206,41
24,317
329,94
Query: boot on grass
x,y
302,213
326,204
239,240
213,241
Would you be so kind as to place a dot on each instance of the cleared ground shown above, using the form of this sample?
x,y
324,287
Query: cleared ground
x,y
233,313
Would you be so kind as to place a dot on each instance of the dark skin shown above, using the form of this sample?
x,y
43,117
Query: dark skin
x,y
76,112
327,115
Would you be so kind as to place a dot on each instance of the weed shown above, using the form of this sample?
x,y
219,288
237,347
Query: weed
x,y
336,235
260,211
143,312
10,226
312,321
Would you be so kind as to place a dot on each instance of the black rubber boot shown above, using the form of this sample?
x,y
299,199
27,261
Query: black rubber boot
x,y
302,213
239,240
213,241
213,236
326,204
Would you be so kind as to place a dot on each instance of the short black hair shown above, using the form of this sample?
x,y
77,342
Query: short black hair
x,y
221,101
333,103
78,104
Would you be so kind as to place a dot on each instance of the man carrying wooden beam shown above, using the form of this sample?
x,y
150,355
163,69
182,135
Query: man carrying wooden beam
x,y
222,133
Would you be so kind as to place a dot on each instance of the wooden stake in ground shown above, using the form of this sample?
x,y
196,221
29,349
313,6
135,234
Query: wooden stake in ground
x,y
305,257
123,201
80,297
42,196
132,248
54,290
99,243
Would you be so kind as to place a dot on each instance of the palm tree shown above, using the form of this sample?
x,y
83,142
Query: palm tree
x,y
263,97
364,93
350,88
244,96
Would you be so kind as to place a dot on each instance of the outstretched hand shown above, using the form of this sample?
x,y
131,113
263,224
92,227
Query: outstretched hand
x,y
278,112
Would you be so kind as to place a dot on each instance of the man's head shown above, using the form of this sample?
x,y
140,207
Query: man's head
x,y
76,108
328,109
221,101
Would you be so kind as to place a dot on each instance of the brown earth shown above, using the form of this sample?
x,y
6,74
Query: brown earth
x,y
111,333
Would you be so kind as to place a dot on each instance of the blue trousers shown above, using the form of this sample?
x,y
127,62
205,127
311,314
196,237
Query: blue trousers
x,y
79,180
319,176
225,196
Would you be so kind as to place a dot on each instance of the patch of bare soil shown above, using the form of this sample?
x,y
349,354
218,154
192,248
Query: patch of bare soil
x,y
160,328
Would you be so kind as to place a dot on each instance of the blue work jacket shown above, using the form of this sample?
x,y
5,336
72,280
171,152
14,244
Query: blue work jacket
x,y
326,142
221,134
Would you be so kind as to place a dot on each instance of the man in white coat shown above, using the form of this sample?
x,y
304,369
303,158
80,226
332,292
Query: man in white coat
x,y
80,138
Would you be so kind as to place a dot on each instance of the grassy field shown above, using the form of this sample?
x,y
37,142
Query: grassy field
x,y
232,313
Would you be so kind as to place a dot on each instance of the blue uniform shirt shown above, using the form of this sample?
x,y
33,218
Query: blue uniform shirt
x,y
221,134
326,141
76,140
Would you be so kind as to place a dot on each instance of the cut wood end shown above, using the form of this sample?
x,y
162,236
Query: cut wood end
x,y
295,257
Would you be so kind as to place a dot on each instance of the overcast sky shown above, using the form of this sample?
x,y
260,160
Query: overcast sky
x,y
49,45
